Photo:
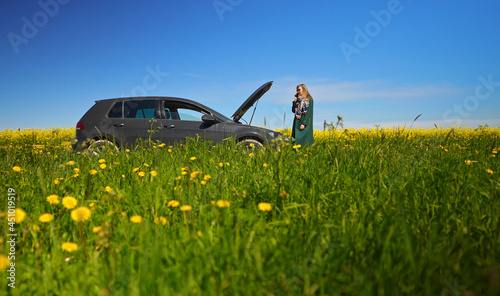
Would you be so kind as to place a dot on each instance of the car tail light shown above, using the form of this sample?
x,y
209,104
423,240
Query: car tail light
x,y
80,126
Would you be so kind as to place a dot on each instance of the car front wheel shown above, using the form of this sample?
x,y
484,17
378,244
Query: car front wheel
x,y
251,143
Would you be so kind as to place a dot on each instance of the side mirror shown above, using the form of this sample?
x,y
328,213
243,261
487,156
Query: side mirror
x,y
209,118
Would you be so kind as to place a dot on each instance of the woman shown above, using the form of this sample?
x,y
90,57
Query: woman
x,y
303,106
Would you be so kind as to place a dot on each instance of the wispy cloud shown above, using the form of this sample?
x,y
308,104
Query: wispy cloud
x,y
327,91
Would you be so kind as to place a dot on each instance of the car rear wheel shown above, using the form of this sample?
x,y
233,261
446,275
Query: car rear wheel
x,y
100,146
251,143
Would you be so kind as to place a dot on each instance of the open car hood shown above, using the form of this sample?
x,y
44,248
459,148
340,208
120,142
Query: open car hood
x,y
251,100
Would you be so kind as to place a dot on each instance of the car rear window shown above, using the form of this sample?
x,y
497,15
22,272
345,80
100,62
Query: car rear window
x,y
139,109
116,111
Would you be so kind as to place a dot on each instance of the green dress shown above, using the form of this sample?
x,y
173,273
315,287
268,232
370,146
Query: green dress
x,y
305,136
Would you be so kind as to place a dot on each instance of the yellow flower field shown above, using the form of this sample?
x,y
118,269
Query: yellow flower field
x,y
393,211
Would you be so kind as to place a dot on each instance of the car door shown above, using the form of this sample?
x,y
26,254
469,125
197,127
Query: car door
x,y
140,120
183,120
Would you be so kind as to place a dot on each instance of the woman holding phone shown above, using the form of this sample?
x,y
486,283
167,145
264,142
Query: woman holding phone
x,y
302,107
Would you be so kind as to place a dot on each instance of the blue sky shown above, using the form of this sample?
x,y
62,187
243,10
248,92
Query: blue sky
x,y
375,63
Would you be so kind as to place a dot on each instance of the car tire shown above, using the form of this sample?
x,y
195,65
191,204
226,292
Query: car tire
x,y
98,147
251,143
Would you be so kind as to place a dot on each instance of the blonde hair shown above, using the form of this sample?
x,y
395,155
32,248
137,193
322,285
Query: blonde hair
x,y
305,92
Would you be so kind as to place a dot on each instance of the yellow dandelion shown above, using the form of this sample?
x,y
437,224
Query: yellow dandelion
x,y
92,205
76,170
178,178
108,189
169,150
96,229
153,173
265,207
71,162
4,262
135,170
207,177
186,208
102,166
93,172
296,146
212,202
203,182
69,202
221,164
265,165
53,199
223,203
19,215
468,162
251,154
173,203
136,219
489,171
193,158
69,247
161,220
81,214
127,150
16,168
184,173
46,218
36,228
141,174
102,160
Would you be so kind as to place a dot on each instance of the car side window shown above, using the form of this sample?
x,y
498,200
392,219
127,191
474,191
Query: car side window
x,y
189,114
116,111
182,111
139,109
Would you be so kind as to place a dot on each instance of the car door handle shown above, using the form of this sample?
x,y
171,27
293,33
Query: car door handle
x,y
119,124
169,125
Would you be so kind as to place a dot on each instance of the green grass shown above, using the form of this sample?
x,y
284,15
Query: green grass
x,y
379,213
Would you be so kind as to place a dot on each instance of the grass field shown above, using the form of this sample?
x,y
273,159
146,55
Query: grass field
x,y
361,212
